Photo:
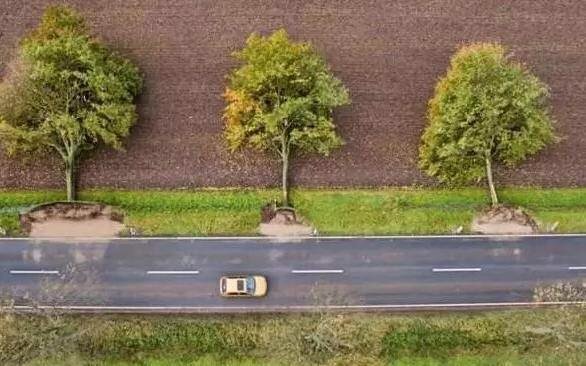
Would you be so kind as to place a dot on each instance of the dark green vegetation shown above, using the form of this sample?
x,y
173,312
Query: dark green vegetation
x,y
281,101
524,337
66,93
487,110
331,211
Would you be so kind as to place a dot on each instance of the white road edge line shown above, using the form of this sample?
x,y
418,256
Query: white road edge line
x,y
577,268
308,271
301,307
456,269
17,272
297,238
172,272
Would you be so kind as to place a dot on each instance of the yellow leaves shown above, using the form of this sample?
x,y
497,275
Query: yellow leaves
x,y
239,109
238,105
58,21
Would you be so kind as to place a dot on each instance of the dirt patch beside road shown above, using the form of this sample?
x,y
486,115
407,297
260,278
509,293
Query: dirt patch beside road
x,y
283,222
63,219
504,219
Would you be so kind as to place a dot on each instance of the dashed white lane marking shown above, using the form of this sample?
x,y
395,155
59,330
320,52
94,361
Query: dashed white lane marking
x,y
308,271
456,269
172,272
43,272
579,268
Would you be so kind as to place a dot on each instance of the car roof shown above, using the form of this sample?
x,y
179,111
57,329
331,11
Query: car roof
x,y
232,284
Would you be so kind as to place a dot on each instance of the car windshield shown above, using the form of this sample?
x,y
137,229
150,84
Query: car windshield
x,y
250,285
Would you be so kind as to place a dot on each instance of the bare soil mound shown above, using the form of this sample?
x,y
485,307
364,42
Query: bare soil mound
x,y
282,222
72,219
504,219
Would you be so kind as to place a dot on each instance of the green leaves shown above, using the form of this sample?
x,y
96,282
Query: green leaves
x,y
283,94
68,92
77,93
281,100
486,106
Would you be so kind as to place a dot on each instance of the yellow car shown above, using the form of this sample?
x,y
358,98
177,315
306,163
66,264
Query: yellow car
x,y
243,286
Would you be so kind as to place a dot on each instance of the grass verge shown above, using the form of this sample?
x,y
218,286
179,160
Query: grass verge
x,y
332,211
520,337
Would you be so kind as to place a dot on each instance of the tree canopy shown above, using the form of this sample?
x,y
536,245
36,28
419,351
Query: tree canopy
x,y
66,92
487,109
281,99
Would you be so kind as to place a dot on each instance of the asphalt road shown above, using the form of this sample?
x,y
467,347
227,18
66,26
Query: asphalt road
x,y
181,274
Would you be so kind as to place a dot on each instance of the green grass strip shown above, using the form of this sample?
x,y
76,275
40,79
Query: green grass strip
x,y
381,211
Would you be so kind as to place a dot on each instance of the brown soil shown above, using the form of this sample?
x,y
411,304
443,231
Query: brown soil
x,y
63,219
504,219
179,134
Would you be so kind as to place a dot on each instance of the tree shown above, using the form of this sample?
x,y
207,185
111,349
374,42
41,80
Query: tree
x,y
66,93
280,100
487,109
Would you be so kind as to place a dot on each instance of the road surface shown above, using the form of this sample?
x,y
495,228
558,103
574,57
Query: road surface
x,y
181,274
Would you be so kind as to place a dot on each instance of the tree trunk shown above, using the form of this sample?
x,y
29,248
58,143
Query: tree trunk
x,y
70,179
284,178
493,195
